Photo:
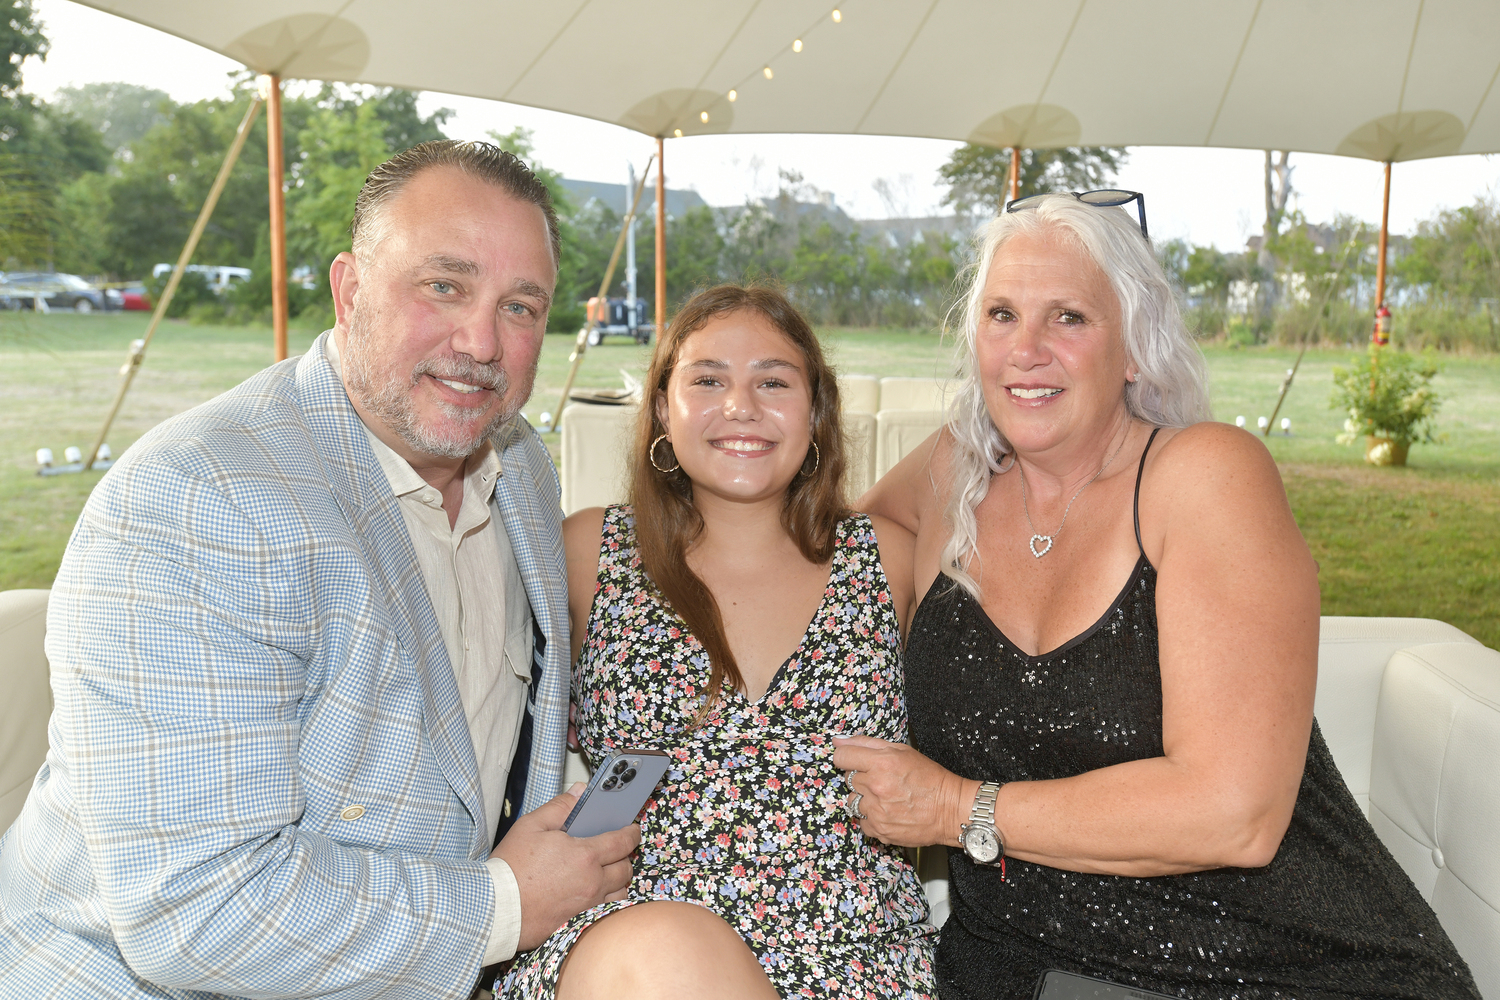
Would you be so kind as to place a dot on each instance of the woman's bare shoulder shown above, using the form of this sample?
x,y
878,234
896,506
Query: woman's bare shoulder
x,y
1212,456
582,531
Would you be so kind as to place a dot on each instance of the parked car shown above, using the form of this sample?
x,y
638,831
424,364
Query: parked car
x,y
21,289
220,279
134,297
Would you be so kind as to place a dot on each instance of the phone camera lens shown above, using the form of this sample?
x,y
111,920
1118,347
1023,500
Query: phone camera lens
x,y
610,782
627,777
620,767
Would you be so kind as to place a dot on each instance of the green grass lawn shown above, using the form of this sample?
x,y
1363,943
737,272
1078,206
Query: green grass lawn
x,y
1421,541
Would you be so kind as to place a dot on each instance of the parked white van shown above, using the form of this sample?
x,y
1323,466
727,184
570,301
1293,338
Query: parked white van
x,y
220,279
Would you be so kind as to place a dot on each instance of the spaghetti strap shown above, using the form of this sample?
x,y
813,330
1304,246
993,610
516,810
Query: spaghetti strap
x,y
1138,473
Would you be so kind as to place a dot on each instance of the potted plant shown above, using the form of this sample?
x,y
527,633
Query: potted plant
x,y
1390,402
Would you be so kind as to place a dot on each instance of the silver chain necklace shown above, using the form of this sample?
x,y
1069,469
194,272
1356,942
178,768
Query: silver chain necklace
x,y
1036,536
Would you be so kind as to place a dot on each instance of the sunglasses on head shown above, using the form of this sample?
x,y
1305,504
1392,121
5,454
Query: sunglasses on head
x,y
1103,198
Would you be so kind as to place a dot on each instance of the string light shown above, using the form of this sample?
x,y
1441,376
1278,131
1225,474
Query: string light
x,y
677,132
837,14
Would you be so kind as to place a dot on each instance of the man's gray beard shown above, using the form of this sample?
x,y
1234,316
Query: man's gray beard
x,y
390,400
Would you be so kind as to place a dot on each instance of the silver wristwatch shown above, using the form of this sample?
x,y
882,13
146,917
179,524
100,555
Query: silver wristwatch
x,y
980,839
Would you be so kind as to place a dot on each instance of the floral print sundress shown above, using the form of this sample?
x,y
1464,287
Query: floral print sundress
x,y
749,820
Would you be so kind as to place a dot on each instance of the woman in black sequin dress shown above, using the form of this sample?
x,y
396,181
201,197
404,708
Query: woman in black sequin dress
x,y
1119,658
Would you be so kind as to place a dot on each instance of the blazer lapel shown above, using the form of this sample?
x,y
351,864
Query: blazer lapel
x,y
533,523
374,513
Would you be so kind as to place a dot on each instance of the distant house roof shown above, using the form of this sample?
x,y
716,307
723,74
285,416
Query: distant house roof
x,y
613,196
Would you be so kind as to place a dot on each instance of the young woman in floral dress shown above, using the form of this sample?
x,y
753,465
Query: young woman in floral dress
x,y
738,616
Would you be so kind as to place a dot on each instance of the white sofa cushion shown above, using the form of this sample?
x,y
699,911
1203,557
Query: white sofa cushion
x,y
859,453
898,432
1435,789
596,450
899,392
1352,654
27,702
859,393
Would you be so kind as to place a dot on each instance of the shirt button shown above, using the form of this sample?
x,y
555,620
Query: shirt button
x,y
352,813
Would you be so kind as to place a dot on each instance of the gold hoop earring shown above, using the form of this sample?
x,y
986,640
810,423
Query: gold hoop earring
x,y
817,460
651,455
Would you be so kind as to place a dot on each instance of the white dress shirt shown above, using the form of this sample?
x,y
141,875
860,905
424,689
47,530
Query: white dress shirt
x,y
472,578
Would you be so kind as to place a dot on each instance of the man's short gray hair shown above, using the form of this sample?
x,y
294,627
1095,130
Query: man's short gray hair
x,y
481,160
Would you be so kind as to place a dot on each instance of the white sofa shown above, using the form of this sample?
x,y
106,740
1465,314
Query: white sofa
x,y
1410,708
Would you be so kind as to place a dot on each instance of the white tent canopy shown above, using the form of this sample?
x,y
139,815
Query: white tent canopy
x,y
1379,79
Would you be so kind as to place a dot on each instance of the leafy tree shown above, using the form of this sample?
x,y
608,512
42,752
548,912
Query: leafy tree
x,y
978,177
120,112
20,38
1207,274
1455,256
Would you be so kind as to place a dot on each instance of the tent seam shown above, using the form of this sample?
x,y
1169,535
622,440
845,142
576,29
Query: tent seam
x,y
1234,71
545,49
896,68
1057,61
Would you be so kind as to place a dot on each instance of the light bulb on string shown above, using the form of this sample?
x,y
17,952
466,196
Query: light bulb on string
x,y
767,73
677,132
703,117
838,15
797,45
734,95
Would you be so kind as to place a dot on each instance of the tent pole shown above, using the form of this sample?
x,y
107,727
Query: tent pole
x,y
1015,174
1385,228
582,343
661,237
138,348
276,162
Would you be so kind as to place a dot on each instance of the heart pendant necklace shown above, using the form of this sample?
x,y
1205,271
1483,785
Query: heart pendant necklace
x,y
1045,541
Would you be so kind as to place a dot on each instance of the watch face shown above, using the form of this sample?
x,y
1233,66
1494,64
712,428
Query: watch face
x,y
981,844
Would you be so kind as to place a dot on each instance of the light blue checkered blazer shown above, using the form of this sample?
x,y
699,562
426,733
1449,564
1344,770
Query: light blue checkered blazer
x,y
242,648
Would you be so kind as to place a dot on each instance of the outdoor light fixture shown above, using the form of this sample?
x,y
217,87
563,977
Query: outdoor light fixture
x,y
1262,422
797,45
703,117
734,95
72,461
1239,421
838,15
1286,425
767,73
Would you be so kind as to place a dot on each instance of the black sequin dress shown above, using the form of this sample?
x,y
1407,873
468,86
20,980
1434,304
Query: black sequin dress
x,y
1333,915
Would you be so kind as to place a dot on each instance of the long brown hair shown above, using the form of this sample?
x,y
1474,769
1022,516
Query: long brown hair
x,y
667,523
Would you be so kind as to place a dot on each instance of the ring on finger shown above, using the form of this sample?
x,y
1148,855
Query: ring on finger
x,y
851,805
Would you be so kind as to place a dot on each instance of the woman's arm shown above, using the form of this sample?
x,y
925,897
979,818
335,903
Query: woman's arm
x,y
905,493
1237,610
896,547
582,533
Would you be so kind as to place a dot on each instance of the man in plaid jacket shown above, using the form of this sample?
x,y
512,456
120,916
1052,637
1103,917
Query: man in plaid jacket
x,y
302,638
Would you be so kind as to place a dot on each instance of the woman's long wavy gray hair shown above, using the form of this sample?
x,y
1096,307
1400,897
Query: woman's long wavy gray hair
x,y
1172,390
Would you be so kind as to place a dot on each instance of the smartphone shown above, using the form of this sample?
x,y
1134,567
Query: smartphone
x,y
1056,985
621,785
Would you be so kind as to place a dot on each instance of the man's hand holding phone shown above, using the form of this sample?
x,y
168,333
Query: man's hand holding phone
x,y
560,876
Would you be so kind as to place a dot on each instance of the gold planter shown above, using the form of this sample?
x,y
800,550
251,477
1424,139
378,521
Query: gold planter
x,y
1385,451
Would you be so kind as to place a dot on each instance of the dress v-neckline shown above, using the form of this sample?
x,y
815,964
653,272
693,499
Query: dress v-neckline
x,y
1141,564
780,674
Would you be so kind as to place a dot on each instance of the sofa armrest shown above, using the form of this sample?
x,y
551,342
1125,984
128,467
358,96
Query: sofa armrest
x,y
1352,654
